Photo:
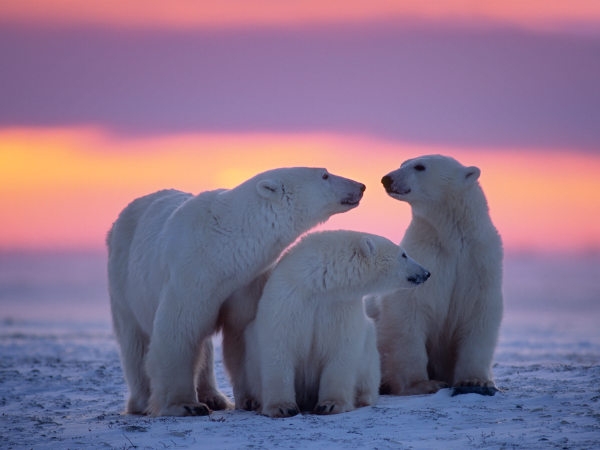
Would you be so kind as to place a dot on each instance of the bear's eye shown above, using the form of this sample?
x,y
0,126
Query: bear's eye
x,y
420,167
404,255
325,176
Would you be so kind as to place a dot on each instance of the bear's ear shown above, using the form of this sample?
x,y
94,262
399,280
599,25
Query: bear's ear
x,y
471,174
269,188
367,246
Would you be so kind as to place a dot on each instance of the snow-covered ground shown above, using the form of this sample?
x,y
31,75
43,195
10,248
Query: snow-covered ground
x,y
61,384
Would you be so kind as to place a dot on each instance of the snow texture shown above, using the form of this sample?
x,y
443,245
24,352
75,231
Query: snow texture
x,y
62,388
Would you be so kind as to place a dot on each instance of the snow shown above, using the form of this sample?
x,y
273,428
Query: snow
x,y
62,387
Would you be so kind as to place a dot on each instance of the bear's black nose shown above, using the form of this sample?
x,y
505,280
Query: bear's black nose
x,y
387,181
427,274
363,188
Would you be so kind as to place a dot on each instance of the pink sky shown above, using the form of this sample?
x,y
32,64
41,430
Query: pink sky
x,y
64,188
539,14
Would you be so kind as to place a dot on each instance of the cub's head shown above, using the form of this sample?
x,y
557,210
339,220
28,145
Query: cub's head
x,y
348,264
393,268
309,194
429,179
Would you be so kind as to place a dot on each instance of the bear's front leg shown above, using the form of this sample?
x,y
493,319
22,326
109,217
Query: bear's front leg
x,y
369,372
172,380
337,385
277,370
278,393
476,352
176,345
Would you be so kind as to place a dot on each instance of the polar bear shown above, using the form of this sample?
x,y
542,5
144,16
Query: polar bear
x,y
311,346
176,260
444,333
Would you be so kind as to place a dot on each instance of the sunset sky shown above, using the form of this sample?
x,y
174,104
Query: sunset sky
x,y
102,102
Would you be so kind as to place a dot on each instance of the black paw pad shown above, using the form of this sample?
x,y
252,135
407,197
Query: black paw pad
x,y
481,390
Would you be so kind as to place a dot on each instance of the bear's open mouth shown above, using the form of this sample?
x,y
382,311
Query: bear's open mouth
x,y
352,200
402,191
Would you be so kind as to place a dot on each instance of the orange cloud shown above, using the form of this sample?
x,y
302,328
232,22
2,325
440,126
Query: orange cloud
x,y
228,13
62,188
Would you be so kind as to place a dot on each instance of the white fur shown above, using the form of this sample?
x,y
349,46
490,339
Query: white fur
x,y
180,266
444,333
311,346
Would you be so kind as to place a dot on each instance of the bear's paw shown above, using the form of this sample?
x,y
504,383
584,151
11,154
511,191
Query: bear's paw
x,y
333,407
481,390
185,409
281,410
215,400
250,404
475,382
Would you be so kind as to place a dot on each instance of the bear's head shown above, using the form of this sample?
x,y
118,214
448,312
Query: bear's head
x,y
429,179
308,195
390,266
349,263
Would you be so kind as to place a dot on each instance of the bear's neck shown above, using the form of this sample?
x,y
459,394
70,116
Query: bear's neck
x,y
256,230
459,218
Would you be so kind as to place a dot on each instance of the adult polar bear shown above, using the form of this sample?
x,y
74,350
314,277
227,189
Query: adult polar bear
x,y
446,331
175,259
311,346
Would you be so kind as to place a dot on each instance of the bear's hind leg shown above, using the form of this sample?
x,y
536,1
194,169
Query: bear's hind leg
x,y
404,365
206,382
247,391
133,343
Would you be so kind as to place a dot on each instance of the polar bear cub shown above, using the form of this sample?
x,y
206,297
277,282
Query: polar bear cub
x,y
444,333
311,346
181,266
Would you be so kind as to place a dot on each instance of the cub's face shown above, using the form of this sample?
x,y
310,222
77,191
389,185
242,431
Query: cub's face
x,y
412,274
428,179
392,267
